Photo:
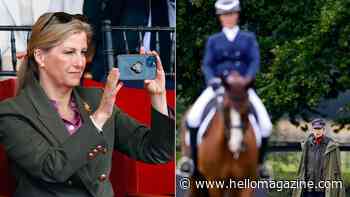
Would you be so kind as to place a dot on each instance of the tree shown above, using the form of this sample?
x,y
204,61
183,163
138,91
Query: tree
x,y
304,48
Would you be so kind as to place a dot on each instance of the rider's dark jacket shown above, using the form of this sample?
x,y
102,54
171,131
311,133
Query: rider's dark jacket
x,y
241,55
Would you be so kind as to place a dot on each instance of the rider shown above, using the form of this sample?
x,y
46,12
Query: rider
x,y
227,51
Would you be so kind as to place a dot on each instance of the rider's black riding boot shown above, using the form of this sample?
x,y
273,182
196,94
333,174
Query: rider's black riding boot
x,y
263,172
263,149
194,152
188,166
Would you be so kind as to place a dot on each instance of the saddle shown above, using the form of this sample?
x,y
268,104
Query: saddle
x,y
208,114
212,103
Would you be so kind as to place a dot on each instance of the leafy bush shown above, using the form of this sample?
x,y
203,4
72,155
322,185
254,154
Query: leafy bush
x,y
304,48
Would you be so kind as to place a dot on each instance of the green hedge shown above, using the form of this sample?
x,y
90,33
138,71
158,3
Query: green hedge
x,y
304,48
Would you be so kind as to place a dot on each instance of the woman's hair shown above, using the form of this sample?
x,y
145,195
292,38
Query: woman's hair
x,y
47,32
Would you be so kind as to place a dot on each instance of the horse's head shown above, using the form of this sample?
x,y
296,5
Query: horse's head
x,y
235,108
236,94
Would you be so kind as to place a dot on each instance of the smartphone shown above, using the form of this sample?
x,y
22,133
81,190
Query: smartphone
x,y
137,67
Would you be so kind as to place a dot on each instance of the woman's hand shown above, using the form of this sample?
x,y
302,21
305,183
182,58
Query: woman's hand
x,y
112,87
21,54
156,87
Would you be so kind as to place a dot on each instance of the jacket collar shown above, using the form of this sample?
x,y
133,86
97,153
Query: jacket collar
x,y
223,36
312,139
331,146
47,113
231,33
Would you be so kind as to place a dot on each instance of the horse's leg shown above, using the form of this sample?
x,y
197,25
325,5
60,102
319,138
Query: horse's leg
x,y
246,192
196,191
233,193
215,192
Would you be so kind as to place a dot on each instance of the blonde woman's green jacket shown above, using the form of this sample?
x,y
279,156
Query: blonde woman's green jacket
x,y
46,161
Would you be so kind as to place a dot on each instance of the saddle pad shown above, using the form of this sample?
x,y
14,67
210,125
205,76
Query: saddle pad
x,y
211,105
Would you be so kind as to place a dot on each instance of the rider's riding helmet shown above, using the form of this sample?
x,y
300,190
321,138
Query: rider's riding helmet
x,y
227,6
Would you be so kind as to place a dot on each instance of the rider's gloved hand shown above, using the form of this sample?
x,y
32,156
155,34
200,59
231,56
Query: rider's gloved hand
x,y
237,80
215,83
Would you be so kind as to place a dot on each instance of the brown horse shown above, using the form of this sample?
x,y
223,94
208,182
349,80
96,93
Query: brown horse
x,y
228,150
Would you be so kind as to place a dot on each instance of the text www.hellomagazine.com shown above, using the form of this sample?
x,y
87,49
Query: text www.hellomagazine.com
x,y
279,185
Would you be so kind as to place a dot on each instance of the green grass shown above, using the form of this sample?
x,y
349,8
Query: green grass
x,y
284,165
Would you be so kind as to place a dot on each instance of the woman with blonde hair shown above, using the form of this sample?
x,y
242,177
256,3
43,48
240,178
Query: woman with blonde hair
x,y
59,136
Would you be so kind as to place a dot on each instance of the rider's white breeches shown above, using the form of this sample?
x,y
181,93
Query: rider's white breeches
x,y
195,113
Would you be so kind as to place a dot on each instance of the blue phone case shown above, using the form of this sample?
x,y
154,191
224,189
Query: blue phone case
x,y
137,67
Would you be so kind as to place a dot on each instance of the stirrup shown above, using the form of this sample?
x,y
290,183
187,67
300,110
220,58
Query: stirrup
x,y
185,167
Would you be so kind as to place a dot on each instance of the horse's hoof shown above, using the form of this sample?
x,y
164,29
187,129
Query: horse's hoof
x,y
185,167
